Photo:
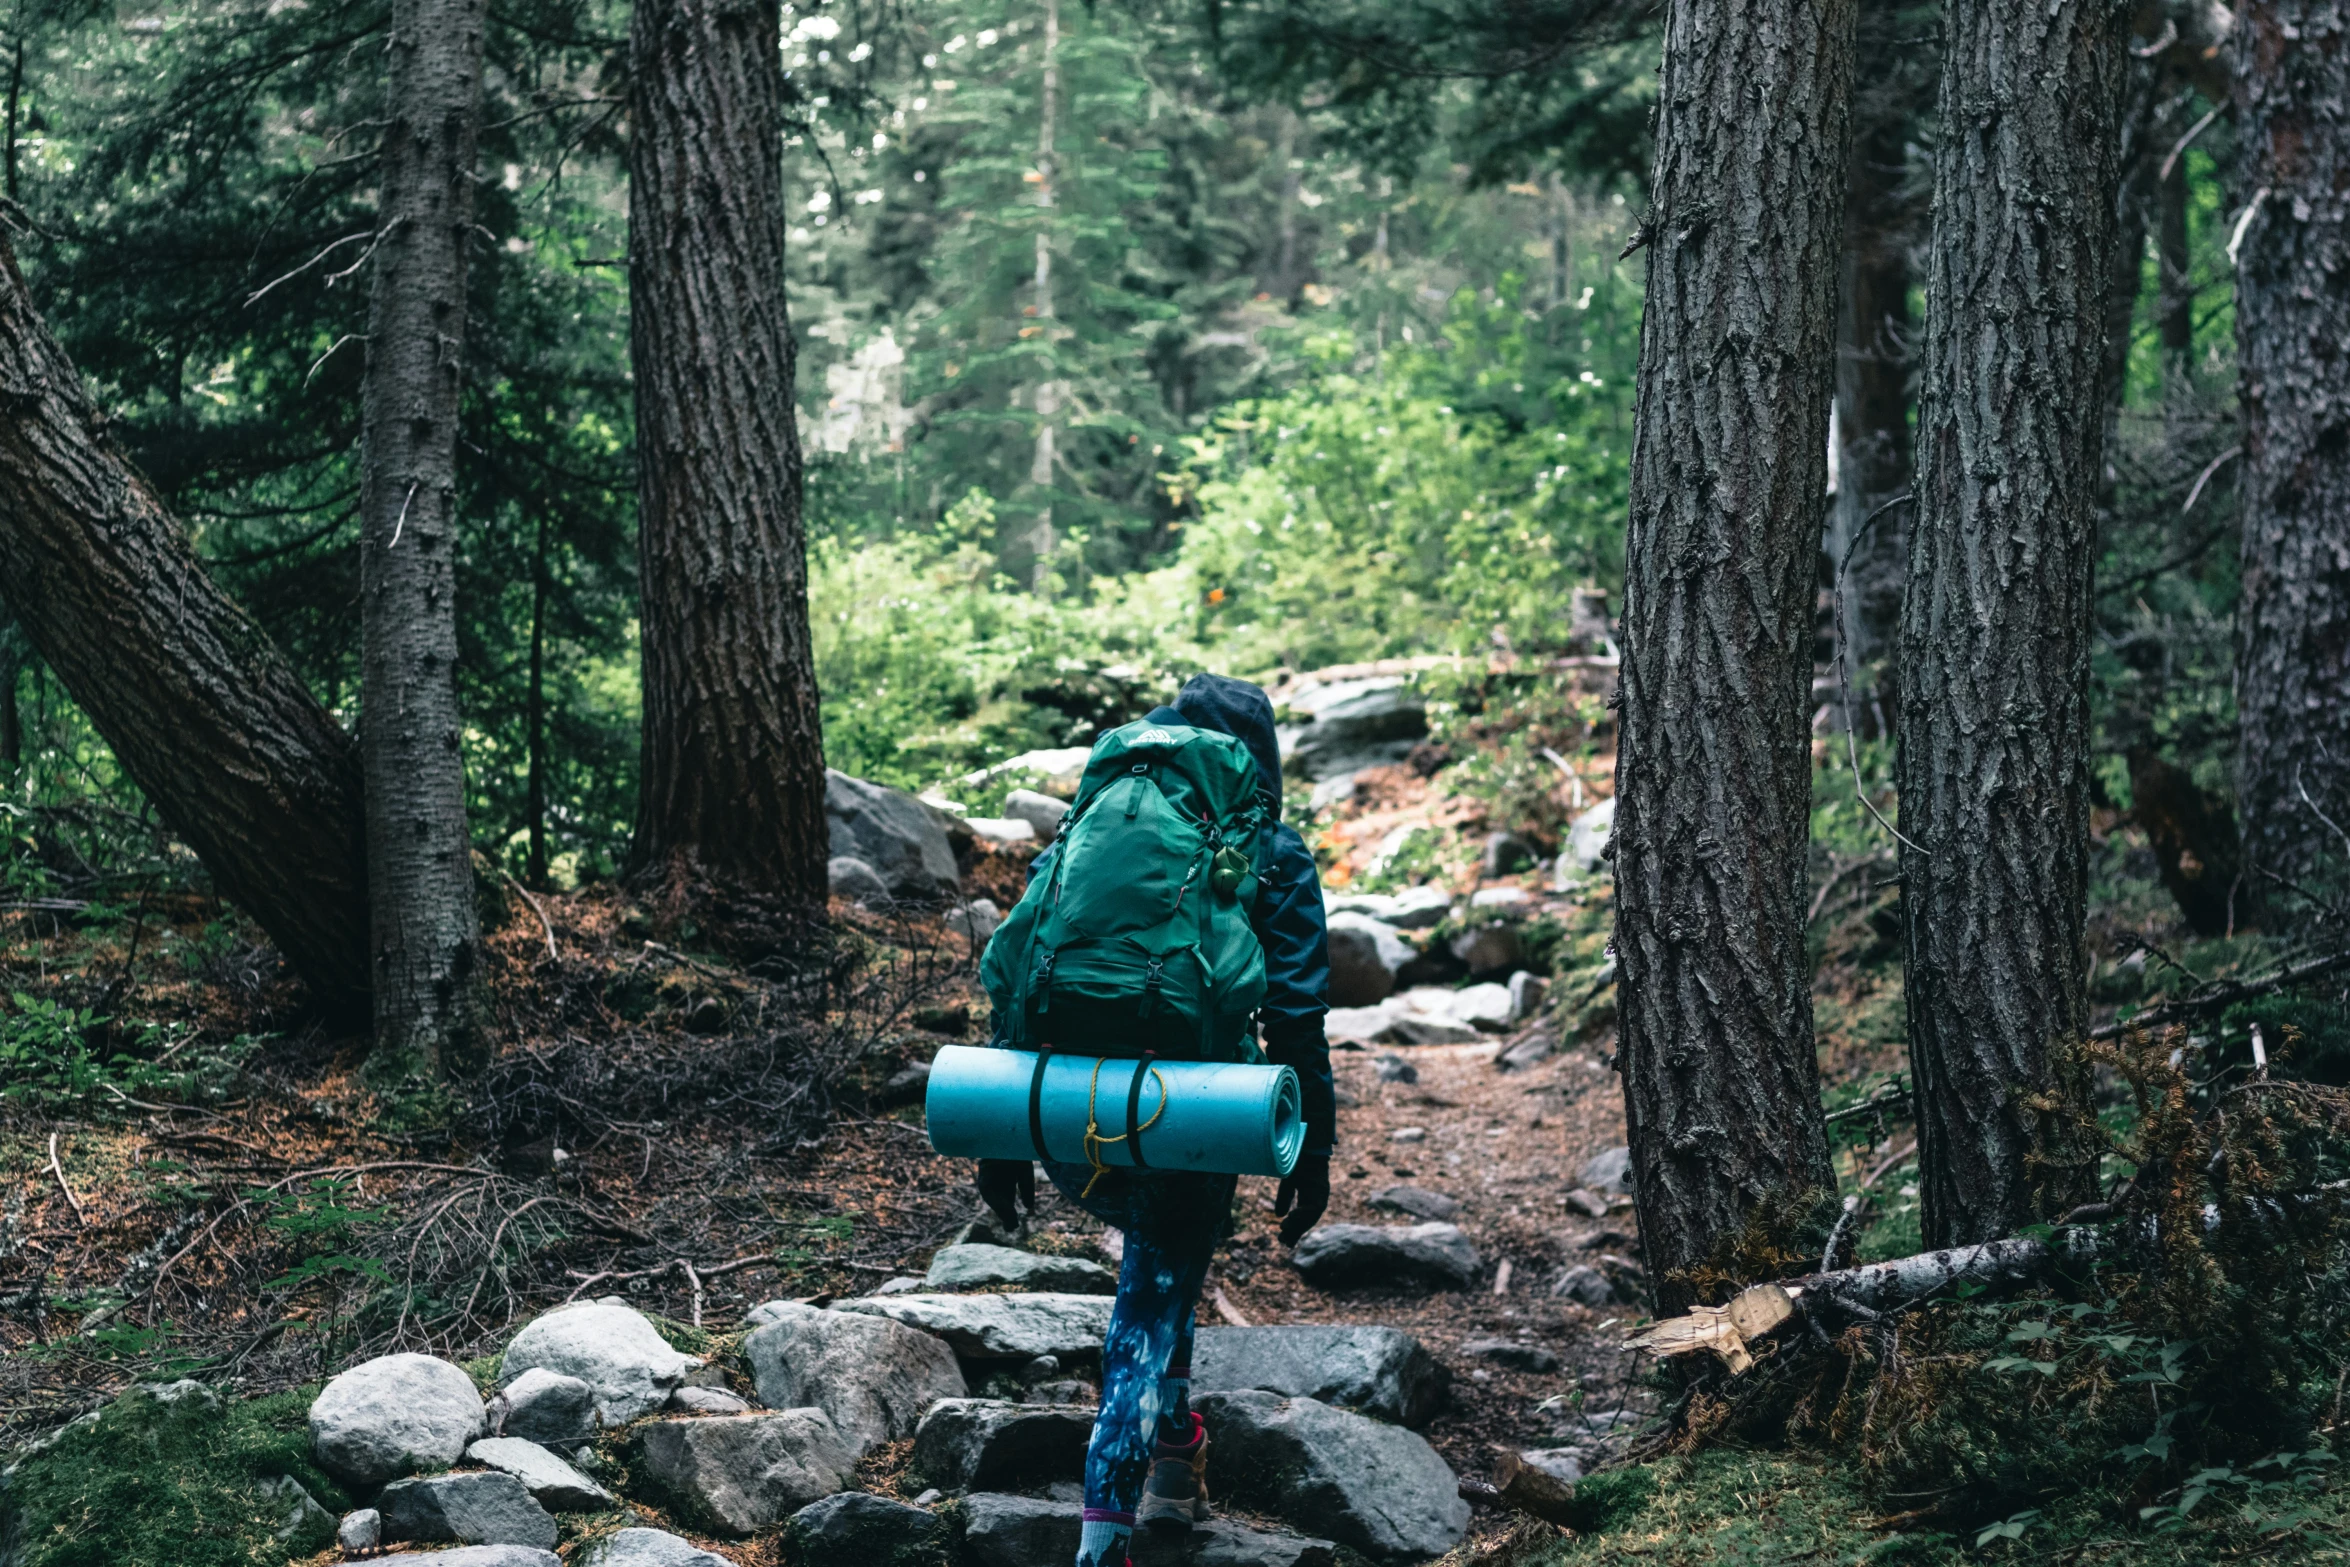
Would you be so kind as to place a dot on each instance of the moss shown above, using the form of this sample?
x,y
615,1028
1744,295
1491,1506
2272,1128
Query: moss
x,y
155,1484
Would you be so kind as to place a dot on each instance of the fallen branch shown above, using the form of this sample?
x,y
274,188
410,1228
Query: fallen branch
x,y
537,912
58,1170
2226,996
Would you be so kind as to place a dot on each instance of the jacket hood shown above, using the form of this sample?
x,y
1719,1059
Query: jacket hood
x,y
1236,708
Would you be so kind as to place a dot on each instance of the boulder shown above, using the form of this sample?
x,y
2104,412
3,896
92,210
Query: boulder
x,y
1380,1371
1365,1025
975,921
739,1476
1514,1355
1432,965
392,1415
891,831
1353,724
1585,1285
1608,1172
1563,1464
1419,908
1062,1390
1017,1531
488,1556
1501,902
1506,854
304,1526
1365,957
546,1407
552,1483
1000,1327
986,1443
972,1267
1222,1543
472,1509
1531,1051
1040,811
1343,1256
1488,951
361,1531
1585,849
858,1529
849,877
1417,1201
607,1344
1368,1485
1584,1200
1395,1069
707,1401
1526,991
1062,769
1420,1028
1001,831
872,1377
1485,1006
645,1548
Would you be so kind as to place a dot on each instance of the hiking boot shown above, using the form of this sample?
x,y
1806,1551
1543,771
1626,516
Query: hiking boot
x,y
1175,1496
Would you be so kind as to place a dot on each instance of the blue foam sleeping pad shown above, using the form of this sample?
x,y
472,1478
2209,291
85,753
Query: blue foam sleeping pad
x,y
1226,1117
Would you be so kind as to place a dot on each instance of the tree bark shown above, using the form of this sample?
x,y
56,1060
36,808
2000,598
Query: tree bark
x,y
534,805
1995,731
419,859
2292,328
1713,774
733,783
204,714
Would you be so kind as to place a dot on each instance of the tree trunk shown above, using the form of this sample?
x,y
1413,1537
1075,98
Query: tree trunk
x,y
534,806
1048,391
1713,774
1995,733
733,784
11,720
1872,380
2292,324
204,714
419,859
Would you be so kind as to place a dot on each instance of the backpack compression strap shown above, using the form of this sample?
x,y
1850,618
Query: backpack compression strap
x,y
1134,1121
1036,1102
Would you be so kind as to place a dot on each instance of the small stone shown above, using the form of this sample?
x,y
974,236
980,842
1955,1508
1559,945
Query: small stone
x,y
903,1284
1564,1464
609,1345
1419,908
1408,1134
975,921
1040,811
1608,1172
858,1529
362,1529
554,1484
1585,1285
971,1267
1516,1356
1531,1051
1373,1025
985,1443
1526,992
1505,901
848,877
545,1407
1589,1202
907,1084
741,1475
1000,831
1043,1368
1506,854
1489,951
707,1401
1417,1201
473,1509
930,1498
1395,1069
393,1415
1339,1256
1587,842
1366,955
644,1548
1418,1028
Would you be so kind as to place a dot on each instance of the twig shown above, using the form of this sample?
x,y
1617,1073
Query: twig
x,y
1229,1312
490,1262
1820,899
694,1282
1843,677
552,954
2225,996
1891,1162
1501,1278
2195,492
58,1170
1843,1229
2243,224
2179,150
254,298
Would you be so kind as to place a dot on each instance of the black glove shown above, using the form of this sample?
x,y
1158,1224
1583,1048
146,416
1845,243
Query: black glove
x,y
1004,1184
1307,1190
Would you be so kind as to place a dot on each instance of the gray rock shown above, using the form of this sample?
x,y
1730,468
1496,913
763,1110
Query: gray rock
x,y
741,1475
1418,1028
487,1556
361,1530
1584,1200
1513,1354
1002,831
645,1548
975,921
1064,1390
1419,908
1380,1371
545,1407
903,1284
1367,1025
1372,1486
707,1401
1485,1006
894,833
1017,1531
1586,1286
1354,724
391,1415
1417,1201
1395,1069
1040,811
872,1377
1506,854
552,1483
1342,1256
1000,1327
187,1390
1489,951
1501,902
858,1529
1365,958
1222,1543
982,1443
607,1344
472,1509
305,1526
1586,847
846,876
1526,991
1608,1172
1531,1051
1564,1464
971,1267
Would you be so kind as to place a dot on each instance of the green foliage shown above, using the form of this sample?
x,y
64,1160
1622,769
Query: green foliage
x,y
54,1055
153,1484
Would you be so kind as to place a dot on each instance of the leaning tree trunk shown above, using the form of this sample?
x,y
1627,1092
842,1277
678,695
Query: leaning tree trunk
x,y
200,709
1713,773
732,797
419,859
1994,767
2293,352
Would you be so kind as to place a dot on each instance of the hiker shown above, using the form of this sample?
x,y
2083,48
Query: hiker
x,y
1147,1460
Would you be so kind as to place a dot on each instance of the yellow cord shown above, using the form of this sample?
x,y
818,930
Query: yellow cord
x,y
1095,1141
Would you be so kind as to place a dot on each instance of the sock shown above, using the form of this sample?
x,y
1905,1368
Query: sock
x,y
1101,1539
1175,1406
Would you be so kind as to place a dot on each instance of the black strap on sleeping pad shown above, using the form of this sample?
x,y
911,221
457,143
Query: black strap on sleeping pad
x,y
1134,1122
1044,1053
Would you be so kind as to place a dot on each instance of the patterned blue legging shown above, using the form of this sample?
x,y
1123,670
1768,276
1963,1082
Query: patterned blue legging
x,y
1172,1221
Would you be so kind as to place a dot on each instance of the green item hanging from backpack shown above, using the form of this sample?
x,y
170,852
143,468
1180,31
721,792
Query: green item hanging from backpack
x,y
1139,941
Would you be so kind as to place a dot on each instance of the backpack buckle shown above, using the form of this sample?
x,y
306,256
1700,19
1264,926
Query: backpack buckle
x,y
1150,989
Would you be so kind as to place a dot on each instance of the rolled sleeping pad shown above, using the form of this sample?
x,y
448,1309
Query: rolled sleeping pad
x,y
1226,1117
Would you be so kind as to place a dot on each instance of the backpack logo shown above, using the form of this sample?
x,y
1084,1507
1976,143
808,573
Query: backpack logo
x,y
1154,737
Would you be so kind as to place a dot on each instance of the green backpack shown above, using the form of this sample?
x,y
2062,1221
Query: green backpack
x,y
1138,941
